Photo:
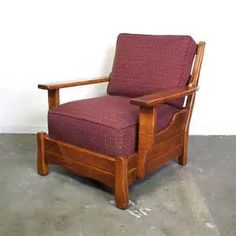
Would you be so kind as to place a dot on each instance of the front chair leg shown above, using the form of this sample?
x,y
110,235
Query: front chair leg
x,y
41,162
121,183
183,158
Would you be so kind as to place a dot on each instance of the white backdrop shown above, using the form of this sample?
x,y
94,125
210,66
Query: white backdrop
x,y
54,40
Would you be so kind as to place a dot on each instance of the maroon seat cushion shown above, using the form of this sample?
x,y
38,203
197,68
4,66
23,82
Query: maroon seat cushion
x,y
106,124
146,63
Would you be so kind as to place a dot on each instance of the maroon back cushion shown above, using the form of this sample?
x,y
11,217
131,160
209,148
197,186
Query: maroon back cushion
x,y
144,64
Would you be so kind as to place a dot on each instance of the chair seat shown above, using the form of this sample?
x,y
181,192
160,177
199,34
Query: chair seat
x,y
107,124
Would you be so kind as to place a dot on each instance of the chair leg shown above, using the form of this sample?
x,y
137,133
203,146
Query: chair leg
x,y
41,162
183,158
121,183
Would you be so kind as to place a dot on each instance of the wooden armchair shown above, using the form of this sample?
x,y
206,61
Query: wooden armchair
x,y
141,124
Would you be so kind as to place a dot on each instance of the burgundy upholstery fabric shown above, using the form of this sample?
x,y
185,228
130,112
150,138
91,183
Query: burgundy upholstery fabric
x,y
145,63
106,124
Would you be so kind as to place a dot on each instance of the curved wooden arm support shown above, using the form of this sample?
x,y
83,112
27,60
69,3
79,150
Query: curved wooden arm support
x,y
163,96
53,89
148,122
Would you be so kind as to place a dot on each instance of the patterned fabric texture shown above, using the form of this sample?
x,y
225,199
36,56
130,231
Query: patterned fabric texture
x,y
107,124
145,63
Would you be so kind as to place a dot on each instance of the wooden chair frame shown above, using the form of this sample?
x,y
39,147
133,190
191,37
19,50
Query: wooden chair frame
x,y
154,149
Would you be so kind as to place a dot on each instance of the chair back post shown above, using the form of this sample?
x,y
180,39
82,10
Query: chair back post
x,y
197,65
193,82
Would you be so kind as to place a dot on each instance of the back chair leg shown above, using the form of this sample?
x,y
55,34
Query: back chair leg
x,y
183,158
41,162
121,183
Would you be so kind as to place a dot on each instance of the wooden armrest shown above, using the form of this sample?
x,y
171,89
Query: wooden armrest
x,y
53,89
163,96
54,86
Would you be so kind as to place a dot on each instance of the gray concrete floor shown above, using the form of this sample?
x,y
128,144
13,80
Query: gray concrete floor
x,y
199,199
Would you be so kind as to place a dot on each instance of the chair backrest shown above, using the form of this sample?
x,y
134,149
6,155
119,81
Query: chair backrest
x,y
144,64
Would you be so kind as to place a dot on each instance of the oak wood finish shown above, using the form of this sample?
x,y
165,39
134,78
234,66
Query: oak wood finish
x,y
155,163
121,183
80,168
59,85
147,127
154,149
175,127
190,100
53,98
78,154
54,93
163,96
41,160
147,124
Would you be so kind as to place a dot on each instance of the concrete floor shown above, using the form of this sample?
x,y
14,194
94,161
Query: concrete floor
x,y
199,199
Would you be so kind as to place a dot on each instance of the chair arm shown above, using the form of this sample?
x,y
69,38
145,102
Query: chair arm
x,y
163,96
53,89
59,85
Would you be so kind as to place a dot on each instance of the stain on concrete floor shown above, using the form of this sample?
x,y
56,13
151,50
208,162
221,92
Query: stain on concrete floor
x,y
199,199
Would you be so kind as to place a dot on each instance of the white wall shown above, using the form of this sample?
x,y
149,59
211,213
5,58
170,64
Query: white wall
x,y
54,40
